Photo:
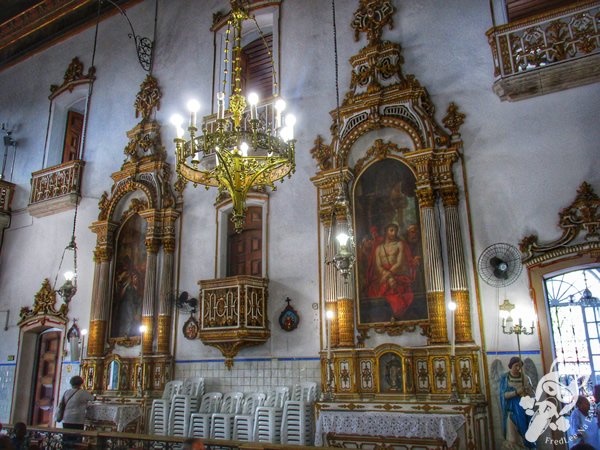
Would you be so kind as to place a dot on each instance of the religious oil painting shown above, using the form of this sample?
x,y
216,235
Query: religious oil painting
x,y
391,281
129,276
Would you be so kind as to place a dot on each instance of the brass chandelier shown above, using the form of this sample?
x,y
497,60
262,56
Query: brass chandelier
x,y
242,149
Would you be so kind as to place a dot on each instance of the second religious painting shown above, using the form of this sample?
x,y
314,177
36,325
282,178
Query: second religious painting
x,y
130,274
391,281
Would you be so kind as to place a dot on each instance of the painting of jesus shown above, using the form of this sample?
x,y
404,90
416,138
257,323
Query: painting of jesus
x,y
390,271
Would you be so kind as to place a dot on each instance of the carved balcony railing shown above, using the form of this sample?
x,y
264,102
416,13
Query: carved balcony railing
x,y
7,190
547,52
56,188
233,314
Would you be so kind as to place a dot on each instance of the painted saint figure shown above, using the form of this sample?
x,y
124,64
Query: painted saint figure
x,y
394,272
514,385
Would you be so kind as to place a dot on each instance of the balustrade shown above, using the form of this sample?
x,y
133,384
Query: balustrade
x,y
547,53
56,188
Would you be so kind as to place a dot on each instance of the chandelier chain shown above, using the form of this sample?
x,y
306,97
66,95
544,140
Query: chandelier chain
x,y
337,83
226,58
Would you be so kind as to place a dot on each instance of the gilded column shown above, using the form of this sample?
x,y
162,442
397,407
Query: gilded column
x,y
165,300
149,296
100,307
456,265
433,266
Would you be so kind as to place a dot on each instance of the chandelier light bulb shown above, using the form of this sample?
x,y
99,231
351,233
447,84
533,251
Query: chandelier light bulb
x,y
342,238
253,99
193,105
176,120
244,149
504,314
180,132
84,332
290,120
452,305
69,275
330,315
284,134
280,105
143,329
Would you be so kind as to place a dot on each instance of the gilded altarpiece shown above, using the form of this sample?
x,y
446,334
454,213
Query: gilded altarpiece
x,y
398,165
134,268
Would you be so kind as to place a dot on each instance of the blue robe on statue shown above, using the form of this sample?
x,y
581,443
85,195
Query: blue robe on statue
x,y
511,410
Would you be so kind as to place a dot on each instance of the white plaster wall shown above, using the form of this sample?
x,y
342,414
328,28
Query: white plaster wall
x,y
524,160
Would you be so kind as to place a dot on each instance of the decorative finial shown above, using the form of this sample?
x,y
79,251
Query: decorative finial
x,y
370,17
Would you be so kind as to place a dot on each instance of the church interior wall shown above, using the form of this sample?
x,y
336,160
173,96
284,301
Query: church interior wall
x,y
523,162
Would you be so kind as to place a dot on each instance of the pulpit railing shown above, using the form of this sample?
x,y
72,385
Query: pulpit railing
x,y
546,40
233,314
7,191
56,181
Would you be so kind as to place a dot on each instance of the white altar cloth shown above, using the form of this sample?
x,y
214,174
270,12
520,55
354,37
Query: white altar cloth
x,y
371,423
120,415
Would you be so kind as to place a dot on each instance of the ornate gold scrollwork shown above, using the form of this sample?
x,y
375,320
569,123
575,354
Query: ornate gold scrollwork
x,y
322,153
453,119
73,76
582,216
370,18
44,304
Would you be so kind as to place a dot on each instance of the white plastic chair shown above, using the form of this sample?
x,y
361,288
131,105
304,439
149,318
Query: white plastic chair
x,y
159,413
243,423
267,422
194,387
305,392
221,426
297,421
179,415
200,421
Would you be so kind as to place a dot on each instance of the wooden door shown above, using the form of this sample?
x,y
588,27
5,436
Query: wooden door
x,y
45,378
244,255
73,136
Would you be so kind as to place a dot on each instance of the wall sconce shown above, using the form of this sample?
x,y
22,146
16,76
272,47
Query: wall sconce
x,y
512,322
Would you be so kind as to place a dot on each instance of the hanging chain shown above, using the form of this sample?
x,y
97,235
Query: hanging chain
x,y
226,56
337,83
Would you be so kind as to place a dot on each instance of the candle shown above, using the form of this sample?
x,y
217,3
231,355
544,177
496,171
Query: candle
x,y
221,105
329,317
452,307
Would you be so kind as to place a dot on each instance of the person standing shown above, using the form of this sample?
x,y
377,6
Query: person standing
x,y
74,405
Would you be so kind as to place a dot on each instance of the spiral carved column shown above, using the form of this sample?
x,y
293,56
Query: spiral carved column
x,y
456,262
149,297
433,265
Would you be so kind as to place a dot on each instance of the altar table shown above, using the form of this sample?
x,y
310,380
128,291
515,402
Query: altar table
x,y
399,425
120,415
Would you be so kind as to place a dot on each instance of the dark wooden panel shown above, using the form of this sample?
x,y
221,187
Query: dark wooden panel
x,y
520,9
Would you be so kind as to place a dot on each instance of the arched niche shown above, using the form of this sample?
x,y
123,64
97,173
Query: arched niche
x,y
135,242
34,400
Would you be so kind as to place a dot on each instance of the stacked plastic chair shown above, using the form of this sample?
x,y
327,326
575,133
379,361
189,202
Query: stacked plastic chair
x,y
297,422
194,387
179,415
159,413
243,423
221,424
267,422
199,426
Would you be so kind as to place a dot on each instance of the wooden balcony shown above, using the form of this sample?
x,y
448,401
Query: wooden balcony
x,y
55,189
7,190
548,52
233,314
